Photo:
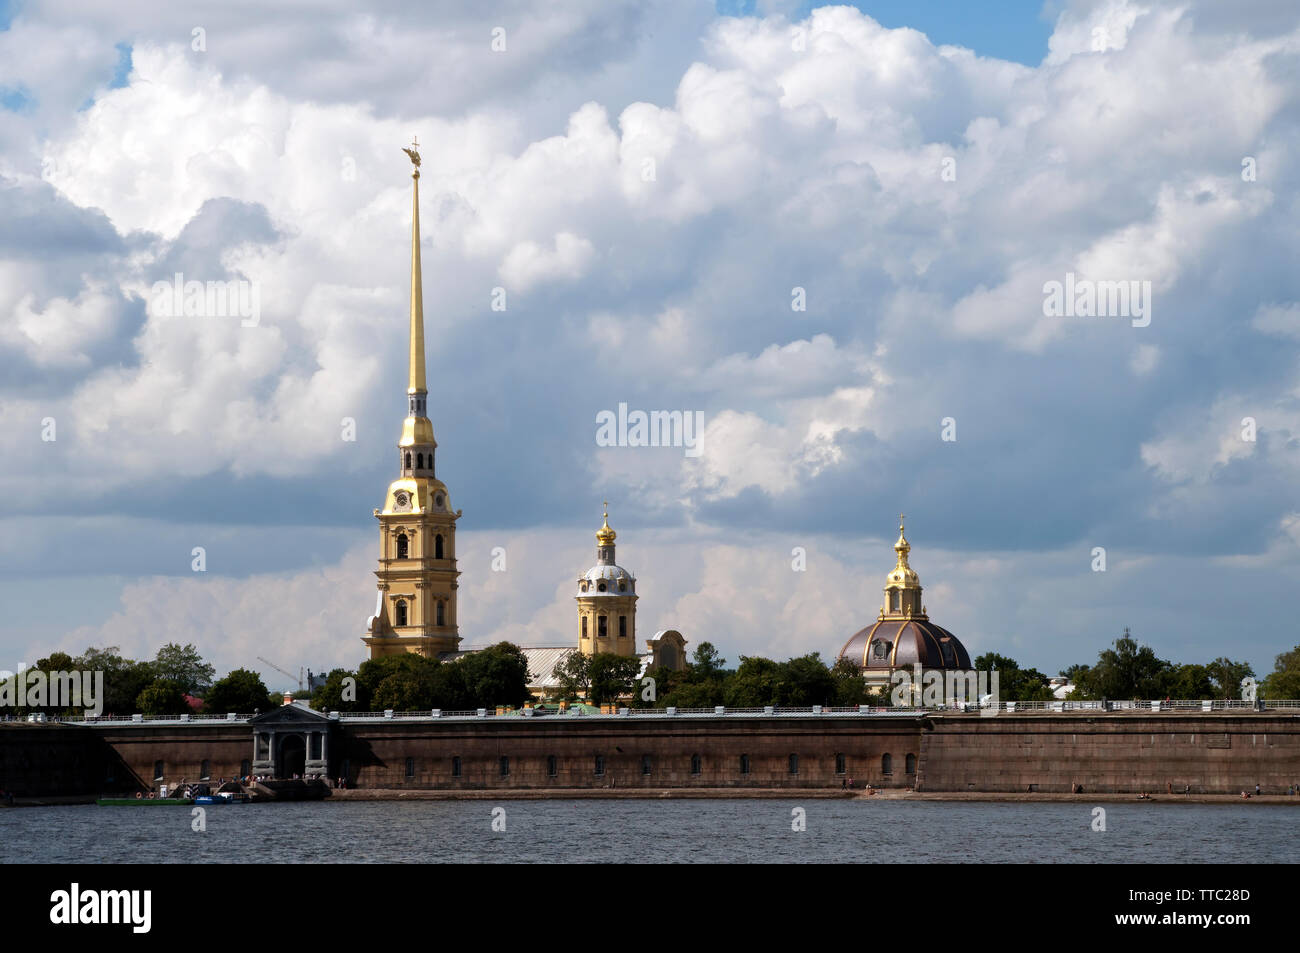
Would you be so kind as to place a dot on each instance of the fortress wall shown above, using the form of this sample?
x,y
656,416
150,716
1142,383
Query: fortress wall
x,y
181,748
46,759
1112,753
377,754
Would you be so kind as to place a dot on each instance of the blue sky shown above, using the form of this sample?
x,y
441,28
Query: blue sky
x,y
1015,30
653,185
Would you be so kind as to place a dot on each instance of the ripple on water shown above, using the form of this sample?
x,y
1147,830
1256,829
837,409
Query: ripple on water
x,y
654,830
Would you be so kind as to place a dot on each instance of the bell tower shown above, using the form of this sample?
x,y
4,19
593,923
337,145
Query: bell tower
x,y
606,601
415,610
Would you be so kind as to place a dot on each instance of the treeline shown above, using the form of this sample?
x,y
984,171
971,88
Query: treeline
x,y
407,682
755,683
156,687
1129,670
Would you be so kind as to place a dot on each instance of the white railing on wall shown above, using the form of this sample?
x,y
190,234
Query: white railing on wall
x,y
1181,706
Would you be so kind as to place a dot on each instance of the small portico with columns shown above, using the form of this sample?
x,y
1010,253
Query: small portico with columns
x,y
292,740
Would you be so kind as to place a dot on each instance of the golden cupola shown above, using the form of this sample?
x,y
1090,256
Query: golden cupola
x,y
902,585
605,536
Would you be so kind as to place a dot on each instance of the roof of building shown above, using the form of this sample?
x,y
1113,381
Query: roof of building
x,y
542,660
890,643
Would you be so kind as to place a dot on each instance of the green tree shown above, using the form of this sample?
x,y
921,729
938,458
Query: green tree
x,y
1284,680
804,681
184,666
497,675
407,689
753,684
124,679
574,676
707,663
1129,671
1227,675
330,696
611,677
1015,683
241,691
666,682
1188,682
850,686
162,697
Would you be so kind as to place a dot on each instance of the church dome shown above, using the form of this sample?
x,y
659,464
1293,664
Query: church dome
x,y
607,572
903,635
888,644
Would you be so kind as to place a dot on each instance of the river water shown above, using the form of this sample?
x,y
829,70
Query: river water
x,y
717,831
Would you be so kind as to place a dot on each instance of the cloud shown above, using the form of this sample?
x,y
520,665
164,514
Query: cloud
x,y
652,198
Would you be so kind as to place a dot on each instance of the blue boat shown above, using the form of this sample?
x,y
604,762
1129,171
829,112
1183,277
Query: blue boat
x,y
222,799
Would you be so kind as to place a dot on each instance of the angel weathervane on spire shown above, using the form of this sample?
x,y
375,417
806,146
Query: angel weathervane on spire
x,y
414,153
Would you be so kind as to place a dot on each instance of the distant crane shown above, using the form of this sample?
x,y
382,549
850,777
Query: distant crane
x,y
283,672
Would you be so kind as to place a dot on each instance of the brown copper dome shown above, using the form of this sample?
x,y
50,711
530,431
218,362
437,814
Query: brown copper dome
x,y
890,643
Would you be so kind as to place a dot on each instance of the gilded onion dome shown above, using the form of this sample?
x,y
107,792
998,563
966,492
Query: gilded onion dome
x,y
606,536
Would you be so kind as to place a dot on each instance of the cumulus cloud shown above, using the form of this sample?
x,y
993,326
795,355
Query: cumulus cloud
x,y
653,201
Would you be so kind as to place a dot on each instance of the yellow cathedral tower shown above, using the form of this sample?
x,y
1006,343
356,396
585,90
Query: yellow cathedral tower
x,y
415,610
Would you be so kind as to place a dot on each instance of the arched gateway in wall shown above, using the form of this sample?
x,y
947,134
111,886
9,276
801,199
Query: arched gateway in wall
x,y
290,741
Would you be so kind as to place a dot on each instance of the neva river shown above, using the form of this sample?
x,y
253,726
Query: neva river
x,y
631,831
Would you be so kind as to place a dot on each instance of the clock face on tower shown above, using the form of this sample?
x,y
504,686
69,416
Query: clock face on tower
x,y
401,500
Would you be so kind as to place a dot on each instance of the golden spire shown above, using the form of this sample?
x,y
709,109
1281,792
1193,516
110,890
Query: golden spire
x,y
902,576
902,547
605,536
417,384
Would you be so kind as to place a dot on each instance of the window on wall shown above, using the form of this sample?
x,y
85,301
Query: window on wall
x,y
205,770
898,601
552,766
645,764
455,767
410,767
600,765
403,546
840,766
910,764
601,627
408,460
245,768
584,626
399,612
437,546
622,585
622,627
419,461
794,764
441,613
744,764
600,586
886,764
696,764
158,771
505,767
